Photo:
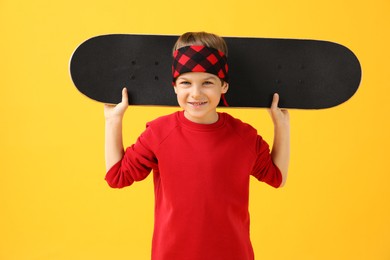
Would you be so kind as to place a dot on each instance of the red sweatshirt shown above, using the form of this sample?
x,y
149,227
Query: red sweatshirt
x,y
201,182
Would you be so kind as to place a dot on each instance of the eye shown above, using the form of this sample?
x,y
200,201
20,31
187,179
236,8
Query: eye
x,y
208,83
184,83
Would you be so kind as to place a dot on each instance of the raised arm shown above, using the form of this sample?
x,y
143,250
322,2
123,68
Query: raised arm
x,y
113,130
281,147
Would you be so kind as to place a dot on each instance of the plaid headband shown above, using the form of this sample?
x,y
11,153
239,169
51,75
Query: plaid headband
x,y
196,58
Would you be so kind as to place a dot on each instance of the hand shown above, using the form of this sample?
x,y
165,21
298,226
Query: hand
x,y
280,117
117,111
281,146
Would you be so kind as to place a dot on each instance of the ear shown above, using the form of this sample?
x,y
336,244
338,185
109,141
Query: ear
x,y
175,88
225,87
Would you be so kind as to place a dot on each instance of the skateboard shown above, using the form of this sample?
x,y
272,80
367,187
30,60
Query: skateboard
x,y
307,74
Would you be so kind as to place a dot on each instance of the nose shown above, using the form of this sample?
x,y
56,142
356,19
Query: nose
x,y
196,92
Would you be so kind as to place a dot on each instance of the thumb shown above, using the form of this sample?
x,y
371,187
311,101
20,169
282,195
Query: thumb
x,y
275,101
125,97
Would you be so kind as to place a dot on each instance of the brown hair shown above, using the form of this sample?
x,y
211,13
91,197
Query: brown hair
x,y
201,38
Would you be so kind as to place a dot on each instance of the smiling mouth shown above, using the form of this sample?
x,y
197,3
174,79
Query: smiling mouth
x,y
197,103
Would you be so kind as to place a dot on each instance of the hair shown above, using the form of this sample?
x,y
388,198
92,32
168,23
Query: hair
x,y
201,38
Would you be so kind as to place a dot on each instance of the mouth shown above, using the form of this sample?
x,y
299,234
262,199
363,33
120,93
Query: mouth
x,y
197,104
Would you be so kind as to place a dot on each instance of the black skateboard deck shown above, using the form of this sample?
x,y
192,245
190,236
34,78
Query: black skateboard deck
x,y
307,74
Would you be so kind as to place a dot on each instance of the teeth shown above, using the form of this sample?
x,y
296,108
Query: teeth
x,y
198,103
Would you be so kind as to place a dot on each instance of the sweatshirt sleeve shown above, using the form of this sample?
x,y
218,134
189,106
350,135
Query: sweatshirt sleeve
x,y
135,165
264,168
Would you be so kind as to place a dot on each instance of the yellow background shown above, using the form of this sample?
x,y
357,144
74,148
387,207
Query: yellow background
x,y
53,199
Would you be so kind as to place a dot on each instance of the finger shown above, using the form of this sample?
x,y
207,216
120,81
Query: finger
x,y
275,101
108,105
125,97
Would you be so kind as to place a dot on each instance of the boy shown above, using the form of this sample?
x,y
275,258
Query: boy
x,y
201,159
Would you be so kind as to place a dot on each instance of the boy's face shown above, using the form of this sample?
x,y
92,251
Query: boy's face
x,y
199,93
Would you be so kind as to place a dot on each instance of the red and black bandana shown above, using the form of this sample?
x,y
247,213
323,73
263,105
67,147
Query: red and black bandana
x,y
196,58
